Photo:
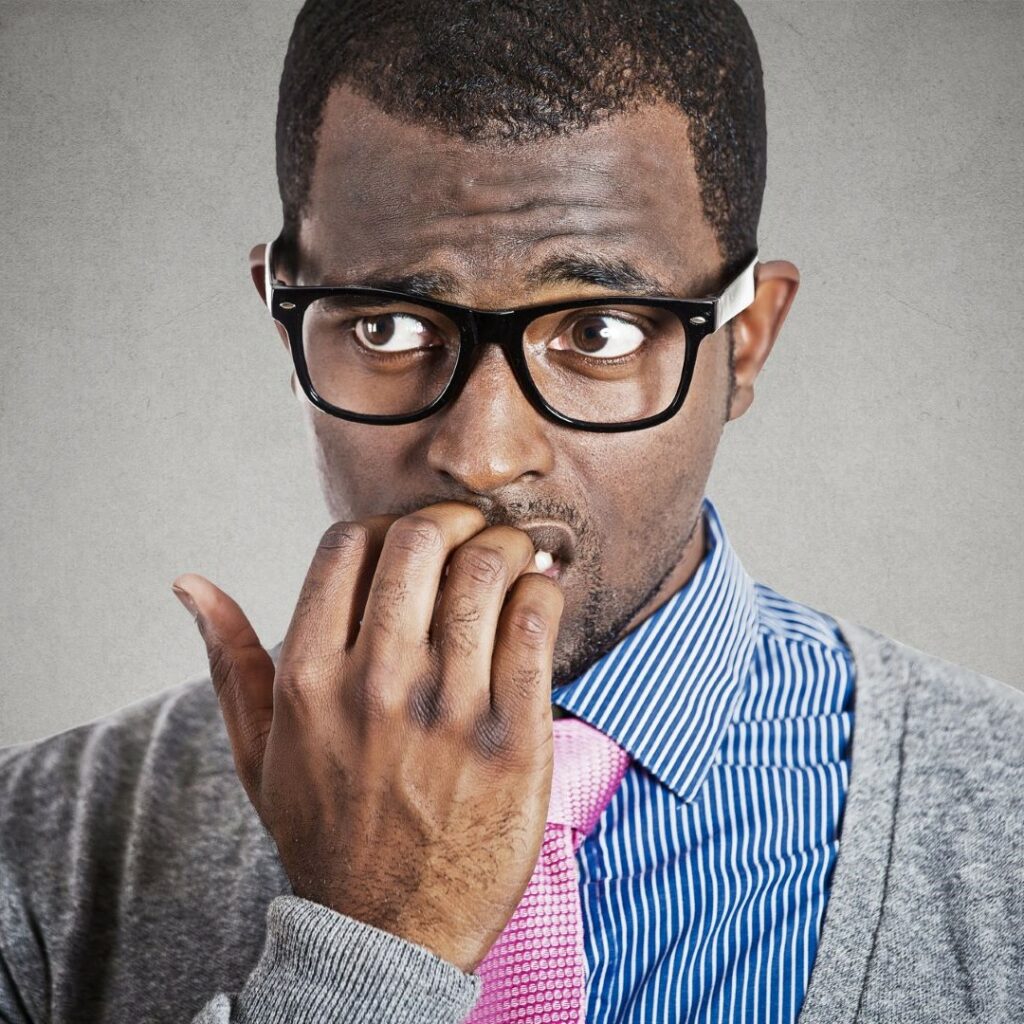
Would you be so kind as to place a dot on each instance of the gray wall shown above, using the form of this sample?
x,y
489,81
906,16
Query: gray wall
x,y
147,427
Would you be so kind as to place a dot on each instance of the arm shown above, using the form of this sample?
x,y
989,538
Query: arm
x,y
318,965
403,780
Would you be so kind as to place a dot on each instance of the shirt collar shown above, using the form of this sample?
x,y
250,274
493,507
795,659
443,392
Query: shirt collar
x,y
666,692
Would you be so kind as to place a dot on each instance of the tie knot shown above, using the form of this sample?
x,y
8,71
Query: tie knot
x,y
588,769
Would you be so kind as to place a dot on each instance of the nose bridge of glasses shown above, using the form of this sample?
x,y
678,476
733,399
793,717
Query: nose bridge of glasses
x,y
503,327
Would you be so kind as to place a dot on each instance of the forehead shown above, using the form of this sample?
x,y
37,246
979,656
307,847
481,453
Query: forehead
x,y
389,198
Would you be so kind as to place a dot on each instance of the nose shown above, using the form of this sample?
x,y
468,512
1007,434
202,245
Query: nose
x,y
490,436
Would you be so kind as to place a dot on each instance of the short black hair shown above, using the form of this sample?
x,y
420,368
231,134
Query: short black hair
x,y
518,70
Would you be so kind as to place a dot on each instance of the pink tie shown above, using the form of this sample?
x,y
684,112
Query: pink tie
x,y
534,972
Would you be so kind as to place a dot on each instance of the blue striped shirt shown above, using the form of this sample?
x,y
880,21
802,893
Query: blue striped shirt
x,y
704,884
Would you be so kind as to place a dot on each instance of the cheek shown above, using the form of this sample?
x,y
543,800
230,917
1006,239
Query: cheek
x,y
637,479
705,401
361,466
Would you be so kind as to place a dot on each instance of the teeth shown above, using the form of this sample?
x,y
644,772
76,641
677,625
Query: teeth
x,y
543,560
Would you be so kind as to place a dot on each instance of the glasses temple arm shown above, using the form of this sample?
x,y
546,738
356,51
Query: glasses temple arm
x,y
268,271
736,296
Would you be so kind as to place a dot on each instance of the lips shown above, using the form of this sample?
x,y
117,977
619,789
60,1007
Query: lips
x,y
554,539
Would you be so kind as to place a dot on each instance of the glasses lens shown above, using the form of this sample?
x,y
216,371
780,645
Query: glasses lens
x,y
377,359
609,365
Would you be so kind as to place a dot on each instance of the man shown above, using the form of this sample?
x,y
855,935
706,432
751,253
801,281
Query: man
x,y
535,745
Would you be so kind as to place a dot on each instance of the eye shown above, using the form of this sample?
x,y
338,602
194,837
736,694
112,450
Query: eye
x,y
602,335
394,332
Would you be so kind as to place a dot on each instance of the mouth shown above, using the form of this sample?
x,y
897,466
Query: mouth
x,y
555,546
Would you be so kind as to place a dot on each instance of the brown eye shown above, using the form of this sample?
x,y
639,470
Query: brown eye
x,y
601,335
393,332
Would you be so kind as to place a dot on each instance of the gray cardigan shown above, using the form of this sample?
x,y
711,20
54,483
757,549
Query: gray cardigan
x,y
137,883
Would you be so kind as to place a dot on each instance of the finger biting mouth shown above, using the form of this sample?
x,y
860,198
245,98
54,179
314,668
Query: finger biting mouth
x,y
555,547
547,565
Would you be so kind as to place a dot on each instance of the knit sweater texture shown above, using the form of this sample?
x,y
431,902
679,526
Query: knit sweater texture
x,y
137,883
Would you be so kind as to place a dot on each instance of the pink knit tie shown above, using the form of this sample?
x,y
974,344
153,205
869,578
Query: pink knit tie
x,y
534,972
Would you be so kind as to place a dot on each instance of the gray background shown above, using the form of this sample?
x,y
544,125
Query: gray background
x,y
146,423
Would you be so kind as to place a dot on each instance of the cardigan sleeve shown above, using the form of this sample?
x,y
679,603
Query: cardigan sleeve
x,y
320,966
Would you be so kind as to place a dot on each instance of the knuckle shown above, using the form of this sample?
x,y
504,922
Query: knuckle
x,y
302,682
373,699
428,705
463,611
417,535
290,689
492,735
232,637
344,536
529,626
485,566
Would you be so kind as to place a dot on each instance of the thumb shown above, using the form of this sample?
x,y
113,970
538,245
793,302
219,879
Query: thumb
x,y
242,672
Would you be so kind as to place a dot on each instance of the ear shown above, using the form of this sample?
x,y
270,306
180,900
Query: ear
x,y
258,270
756,328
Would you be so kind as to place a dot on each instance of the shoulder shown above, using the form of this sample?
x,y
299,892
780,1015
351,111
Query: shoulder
x,y
125,835
76,793
953,703
182,720
111,808
934,836
964,716
941,745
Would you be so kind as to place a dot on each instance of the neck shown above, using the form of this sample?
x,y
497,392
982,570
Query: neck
x,y
693,555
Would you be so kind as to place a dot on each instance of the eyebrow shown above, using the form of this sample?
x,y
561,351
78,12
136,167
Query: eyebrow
x,y
593,268
427,284
563,268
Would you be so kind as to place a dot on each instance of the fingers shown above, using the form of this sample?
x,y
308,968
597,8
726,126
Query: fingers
x,y
480,573
523,652
402,597
242,672
326,616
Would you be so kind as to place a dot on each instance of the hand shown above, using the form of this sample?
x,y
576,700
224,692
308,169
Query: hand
x,y
401,754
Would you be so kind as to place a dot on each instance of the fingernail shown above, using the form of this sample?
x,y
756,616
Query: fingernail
x,y
186,599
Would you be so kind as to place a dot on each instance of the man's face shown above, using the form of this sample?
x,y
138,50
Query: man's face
x,y
390,199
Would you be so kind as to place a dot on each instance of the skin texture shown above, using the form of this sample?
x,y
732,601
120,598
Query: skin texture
x,y
400,754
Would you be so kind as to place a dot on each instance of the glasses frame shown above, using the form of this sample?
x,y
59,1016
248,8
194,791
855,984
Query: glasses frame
x,y
506,328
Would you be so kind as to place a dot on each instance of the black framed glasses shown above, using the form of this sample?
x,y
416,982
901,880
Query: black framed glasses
x,y
611,363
